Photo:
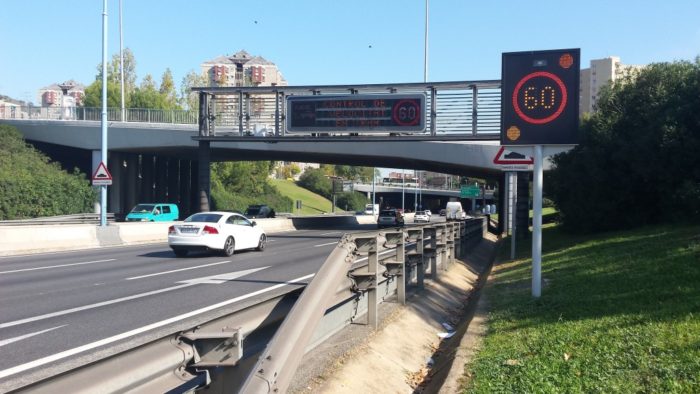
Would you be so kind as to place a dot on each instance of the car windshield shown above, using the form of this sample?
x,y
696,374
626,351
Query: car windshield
x,y
388,213
143,208
204,217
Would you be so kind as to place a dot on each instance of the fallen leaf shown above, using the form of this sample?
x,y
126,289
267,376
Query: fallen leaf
x,y
511,362
567,356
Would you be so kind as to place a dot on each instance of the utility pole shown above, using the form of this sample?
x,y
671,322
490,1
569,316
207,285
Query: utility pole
x,y
121,59
103,188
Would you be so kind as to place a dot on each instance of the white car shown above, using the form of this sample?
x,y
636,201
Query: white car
x,y
225,232
421,217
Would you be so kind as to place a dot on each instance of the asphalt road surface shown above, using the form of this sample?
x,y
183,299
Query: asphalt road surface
x,y
58,306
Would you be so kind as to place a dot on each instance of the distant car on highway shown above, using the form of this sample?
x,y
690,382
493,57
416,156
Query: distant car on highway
x,y
443,212
223,232
421,217
390,218
259,212
154,212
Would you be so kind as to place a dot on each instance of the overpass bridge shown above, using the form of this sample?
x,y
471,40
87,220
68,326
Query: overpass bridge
x,y
169,160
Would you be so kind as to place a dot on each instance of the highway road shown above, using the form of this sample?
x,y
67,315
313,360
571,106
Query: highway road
x,y
57,307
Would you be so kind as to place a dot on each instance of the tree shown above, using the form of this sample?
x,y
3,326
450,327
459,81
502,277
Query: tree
x,y
167,88
190,100
315,179
637,162
93,95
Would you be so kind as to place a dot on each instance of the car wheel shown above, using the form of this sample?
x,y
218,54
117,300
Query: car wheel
x,y
261,243
229,246
180,252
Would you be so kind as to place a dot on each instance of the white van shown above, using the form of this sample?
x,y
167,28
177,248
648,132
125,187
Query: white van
x,y
371,209
453,210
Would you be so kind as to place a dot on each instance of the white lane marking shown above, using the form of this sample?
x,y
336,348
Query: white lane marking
x,y
333,232
15,339
215,279
102,342
55,266
329,243
178,270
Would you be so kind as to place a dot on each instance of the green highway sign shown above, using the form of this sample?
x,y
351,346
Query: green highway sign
x,y
469,191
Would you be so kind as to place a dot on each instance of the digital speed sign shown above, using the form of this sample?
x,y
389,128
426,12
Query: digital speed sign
x,y
539,97
356,113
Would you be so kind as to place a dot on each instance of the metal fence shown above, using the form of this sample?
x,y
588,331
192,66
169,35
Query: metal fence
x,y
136,115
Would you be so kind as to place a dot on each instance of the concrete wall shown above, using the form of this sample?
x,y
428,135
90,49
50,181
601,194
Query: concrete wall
x,y
17,240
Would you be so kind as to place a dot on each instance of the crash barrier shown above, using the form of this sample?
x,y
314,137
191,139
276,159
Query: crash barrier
x,y
236,352
55,234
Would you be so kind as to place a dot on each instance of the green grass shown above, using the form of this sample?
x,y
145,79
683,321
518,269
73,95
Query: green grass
x,y
547,211
312,203
619,312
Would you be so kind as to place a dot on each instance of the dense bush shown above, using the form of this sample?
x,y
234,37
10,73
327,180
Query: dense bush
x,y
638,161
315,179
235,185
351,201
31,186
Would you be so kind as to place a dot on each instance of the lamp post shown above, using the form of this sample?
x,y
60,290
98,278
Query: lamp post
x,y
121,59
103,188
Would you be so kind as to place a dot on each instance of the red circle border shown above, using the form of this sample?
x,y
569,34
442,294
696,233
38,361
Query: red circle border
x,y
529,77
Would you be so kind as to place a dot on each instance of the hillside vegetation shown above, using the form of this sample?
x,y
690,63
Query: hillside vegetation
x,y
32,186
618,314
312,203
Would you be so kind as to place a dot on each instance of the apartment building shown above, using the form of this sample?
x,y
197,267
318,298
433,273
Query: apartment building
x,y
242,69
600,73
66,94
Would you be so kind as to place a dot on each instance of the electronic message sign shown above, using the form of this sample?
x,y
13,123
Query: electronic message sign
x,y
539,97
356,113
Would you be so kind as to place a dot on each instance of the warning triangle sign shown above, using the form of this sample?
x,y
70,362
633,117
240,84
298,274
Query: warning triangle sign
x,y
504,158
101,176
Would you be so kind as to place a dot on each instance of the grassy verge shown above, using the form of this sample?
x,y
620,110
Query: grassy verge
x,y
312,203
619,312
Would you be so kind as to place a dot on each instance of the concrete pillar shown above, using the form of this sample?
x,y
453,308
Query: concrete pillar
x,y
186,188
204,176
132,183
147,173
114,195
160,178
173,192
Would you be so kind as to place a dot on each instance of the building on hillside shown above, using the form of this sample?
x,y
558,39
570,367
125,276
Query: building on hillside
x,y
601,73
11,108
242,69
66,94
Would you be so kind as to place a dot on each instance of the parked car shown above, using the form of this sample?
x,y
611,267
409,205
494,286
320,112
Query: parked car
x,y
443,212
224,232
427,212
390,218
153,212
421,217
259,212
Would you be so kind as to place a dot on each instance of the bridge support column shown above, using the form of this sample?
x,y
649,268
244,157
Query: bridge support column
x,y
173,185
160,178
186,188
115,166
204,176
147,178
132,181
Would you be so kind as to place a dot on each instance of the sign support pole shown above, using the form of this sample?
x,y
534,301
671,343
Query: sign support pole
x,y
103,188
512,201
537,224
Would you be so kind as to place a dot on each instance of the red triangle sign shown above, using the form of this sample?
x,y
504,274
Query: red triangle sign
x,y
504,158
102,174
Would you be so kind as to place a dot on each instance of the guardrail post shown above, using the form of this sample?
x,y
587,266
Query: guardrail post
x,y
240,112
415,259
433,111
458,239
450,241
441,246
367,280
475,101
431,251
396,266
277,113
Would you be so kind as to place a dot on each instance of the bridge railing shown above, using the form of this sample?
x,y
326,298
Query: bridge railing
x,y
452,108
137,115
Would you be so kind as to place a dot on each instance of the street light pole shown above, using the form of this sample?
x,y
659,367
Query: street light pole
x,y
121,58
403,190
103,188
425,51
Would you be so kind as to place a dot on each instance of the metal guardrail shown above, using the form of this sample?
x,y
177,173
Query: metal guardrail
x,y
80,218
224,355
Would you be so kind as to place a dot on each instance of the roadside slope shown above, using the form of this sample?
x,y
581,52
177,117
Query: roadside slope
x,y
312,203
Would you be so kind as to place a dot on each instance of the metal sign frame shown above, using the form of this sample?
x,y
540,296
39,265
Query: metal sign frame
x,y
357,113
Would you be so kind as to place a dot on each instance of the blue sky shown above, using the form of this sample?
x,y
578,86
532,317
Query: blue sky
x,y
333,42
